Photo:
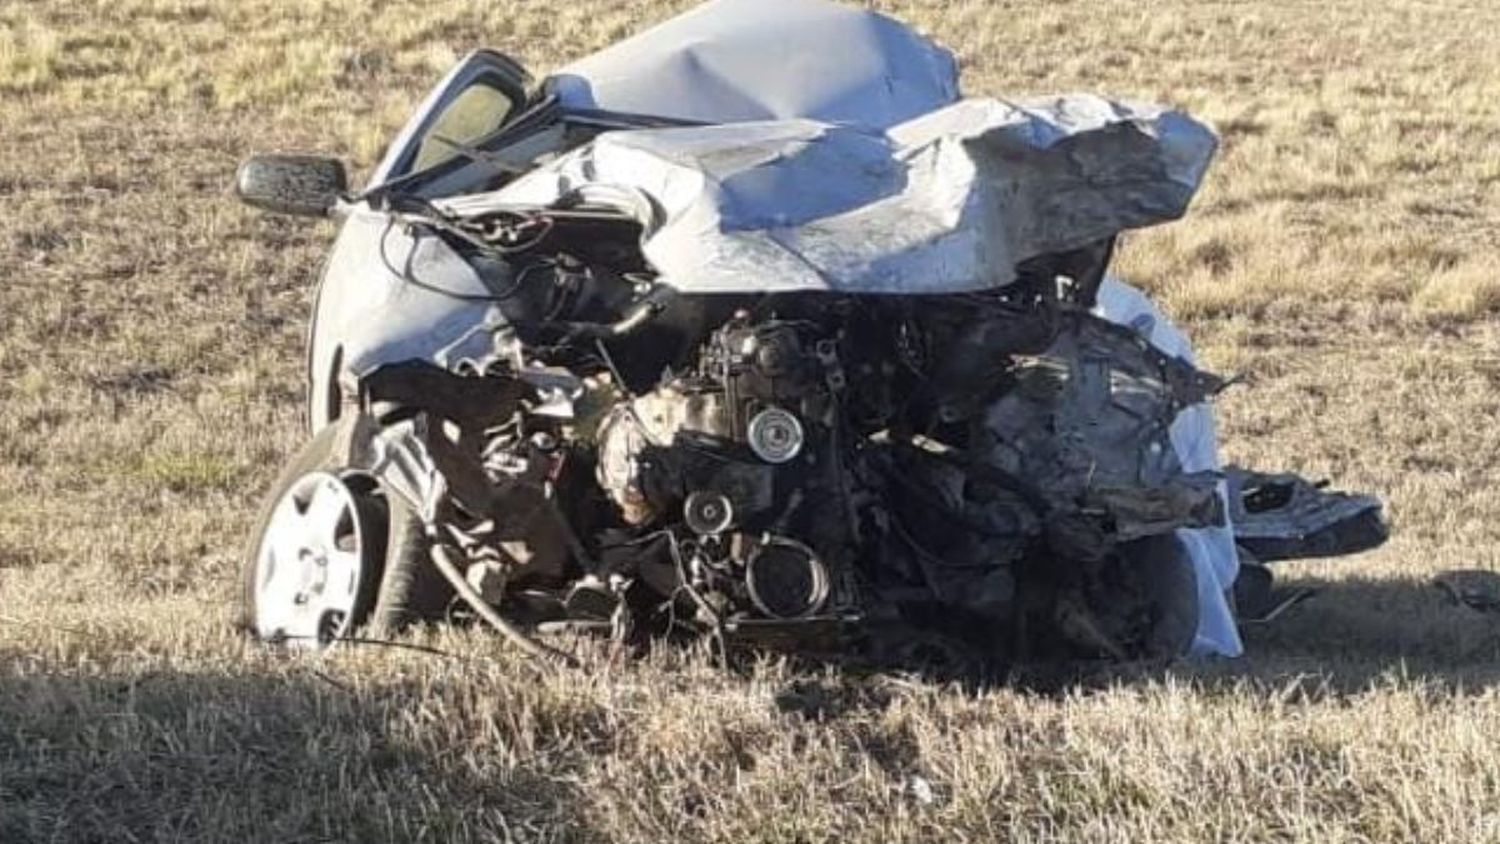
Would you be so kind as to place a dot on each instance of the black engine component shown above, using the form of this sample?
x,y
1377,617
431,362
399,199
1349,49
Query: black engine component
x,y
989,474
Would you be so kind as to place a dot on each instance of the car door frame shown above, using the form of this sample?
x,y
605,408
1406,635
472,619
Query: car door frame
x,y
514,82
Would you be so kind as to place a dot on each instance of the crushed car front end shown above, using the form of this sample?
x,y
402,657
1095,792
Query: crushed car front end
x,y
681,347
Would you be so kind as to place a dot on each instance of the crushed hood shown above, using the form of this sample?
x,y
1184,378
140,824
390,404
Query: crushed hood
x,y
730,61
949,201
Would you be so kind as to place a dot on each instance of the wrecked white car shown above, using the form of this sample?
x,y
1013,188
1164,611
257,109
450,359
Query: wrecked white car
x,y
810,353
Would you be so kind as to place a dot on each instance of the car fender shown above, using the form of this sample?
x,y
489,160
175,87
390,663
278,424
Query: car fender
x,y
390,295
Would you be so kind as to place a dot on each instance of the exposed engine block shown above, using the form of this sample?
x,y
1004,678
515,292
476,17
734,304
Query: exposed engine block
x,y
728,455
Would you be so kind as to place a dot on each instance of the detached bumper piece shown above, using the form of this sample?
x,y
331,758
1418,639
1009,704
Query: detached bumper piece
x,y
1287,517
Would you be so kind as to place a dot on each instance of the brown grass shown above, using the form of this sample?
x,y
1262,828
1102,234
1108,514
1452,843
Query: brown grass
x,y
1343,253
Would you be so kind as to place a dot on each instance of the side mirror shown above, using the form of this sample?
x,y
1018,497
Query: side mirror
x,y
304,185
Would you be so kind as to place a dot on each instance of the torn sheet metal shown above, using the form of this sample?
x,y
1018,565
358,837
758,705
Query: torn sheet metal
x,y
1210,550
731,61
949,202
1286,517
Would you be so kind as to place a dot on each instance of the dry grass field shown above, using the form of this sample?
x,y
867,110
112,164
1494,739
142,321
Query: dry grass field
x,y
1343,254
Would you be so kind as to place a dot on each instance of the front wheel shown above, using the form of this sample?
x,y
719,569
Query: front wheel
x,y
333,552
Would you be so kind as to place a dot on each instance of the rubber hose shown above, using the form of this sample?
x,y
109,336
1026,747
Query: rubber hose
x,y
445,564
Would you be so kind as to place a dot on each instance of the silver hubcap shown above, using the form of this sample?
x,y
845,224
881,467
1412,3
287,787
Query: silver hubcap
x,y
310,563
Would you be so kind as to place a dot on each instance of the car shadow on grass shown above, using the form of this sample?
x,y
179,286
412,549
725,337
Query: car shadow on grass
x,y
1353,635
1358,633
1350,637
254,757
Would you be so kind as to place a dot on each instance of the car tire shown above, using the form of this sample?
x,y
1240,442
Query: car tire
x,y
407,588
1172,583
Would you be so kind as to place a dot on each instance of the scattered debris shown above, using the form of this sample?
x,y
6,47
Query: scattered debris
x,y
921,790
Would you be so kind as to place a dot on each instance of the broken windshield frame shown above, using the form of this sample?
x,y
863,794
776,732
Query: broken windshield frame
x,y
546,111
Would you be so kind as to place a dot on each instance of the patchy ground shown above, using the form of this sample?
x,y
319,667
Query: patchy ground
x,y
1343,254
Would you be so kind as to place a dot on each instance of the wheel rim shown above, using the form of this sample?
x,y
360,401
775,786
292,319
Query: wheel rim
x,y
311,563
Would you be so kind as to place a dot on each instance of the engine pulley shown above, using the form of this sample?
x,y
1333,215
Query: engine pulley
x,y
775,435
708,513
786,579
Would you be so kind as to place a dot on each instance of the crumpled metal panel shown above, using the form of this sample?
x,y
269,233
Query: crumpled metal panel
x,y
1209,550
1286,517
731,61
951,201
1087,423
